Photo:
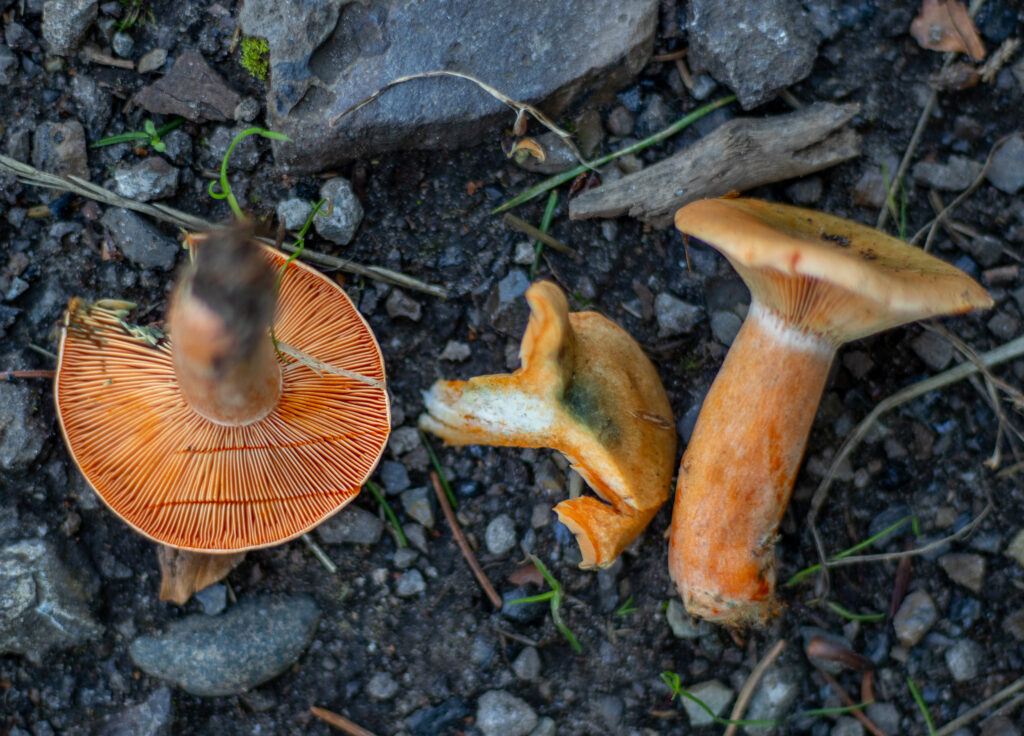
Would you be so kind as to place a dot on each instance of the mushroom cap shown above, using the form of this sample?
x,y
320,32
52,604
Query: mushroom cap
x,y
190,483
825,275
586,389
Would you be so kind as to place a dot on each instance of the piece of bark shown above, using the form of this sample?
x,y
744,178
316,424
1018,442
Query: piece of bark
x,y
184,573
738,155
191,89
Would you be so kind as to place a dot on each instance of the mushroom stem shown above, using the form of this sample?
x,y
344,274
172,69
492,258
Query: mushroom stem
x,y
183,573
738,470
219,319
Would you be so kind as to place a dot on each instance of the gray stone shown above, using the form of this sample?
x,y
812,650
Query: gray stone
x,y
419,504
779,45
382,686
675,317
682,624
885,715
714,695
965,569
416,535
963,660
122,44
914,618
455,351
178,147
403,440
245,156
524,254
620,121
293,212
607,712
546,727
93,102
151,178
213,599
152,61
410,583
1015,549
935,350
154,717
59,148
1004,326
847,726
140,242
394,476
8,65
190,89
253,642
807,633
953,176
773,698
987,250
66,21
558,156
43,604
22,428
725,325
527,665
500,713
329,56
247,110
405,558
869,191
351,525
505,307
655,116
400,304
500,536
345,211
1007,170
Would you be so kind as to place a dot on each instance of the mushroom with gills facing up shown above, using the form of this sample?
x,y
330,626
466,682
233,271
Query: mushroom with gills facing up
x,y
209,441
816,281
586,389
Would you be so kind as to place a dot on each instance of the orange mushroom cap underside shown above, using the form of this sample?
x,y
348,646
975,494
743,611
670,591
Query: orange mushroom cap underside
x,y
190,483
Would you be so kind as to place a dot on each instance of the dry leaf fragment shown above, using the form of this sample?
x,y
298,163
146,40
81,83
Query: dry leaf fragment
x,y
945,25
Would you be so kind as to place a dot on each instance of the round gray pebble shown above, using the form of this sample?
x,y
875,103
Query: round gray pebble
x,y
500,536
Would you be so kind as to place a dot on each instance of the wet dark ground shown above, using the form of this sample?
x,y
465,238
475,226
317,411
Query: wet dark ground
x,y
447,646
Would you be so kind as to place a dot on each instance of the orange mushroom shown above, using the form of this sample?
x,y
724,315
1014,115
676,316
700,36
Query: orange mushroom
x,y
209,441
816,282
586,389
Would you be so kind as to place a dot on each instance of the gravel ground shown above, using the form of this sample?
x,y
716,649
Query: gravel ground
x,y
402,640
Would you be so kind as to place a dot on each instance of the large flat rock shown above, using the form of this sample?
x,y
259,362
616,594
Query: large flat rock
x,y
327,56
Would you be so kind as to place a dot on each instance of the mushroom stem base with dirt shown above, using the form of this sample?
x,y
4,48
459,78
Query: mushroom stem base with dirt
x,y
738,470
183,573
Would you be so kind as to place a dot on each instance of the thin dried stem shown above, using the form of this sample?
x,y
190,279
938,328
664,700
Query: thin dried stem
x,y
747,692
34,177
460,539
1005,352
339,722
970,715
28,373
848,701
320,367
318,552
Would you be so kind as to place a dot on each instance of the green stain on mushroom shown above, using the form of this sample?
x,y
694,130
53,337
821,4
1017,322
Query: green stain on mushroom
x,y
587,403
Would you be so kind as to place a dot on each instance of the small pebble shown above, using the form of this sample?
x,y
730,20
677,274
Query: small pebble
x,y
400,304
524,254
847,726
500,536
405,558
620,122
152,61
293,212
675,317
527,665
419,504
1004,326
455,351
346,212
963,660
725,326
382,686
714,695
934,350
403,440
682,624
352,525
953,176
885,715
1006,172
914,618
998,726
410,583
540,515
213,598
500,713
150,179
965,569
394,476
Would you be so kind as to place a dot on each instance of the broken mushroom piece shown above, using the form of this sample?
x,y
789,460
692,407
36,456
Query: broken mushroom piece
x,y
209,441
816,282
586,389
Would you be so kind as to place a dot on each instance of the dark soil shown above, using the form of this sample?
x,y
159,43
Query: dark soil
x,y
446,646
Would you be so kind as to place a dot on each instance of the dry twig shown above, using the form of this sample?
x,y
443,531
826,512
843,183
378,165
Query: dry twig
x,y
1005,352
34,177
747,692
849,702
29,373
970,715
339,722
460,539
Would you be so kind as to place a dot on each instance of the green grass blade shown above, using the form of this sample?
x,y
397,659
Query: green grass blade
x,y
539,598
557,179
439,470
545,223
916,695
851,616
388,512
808,571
